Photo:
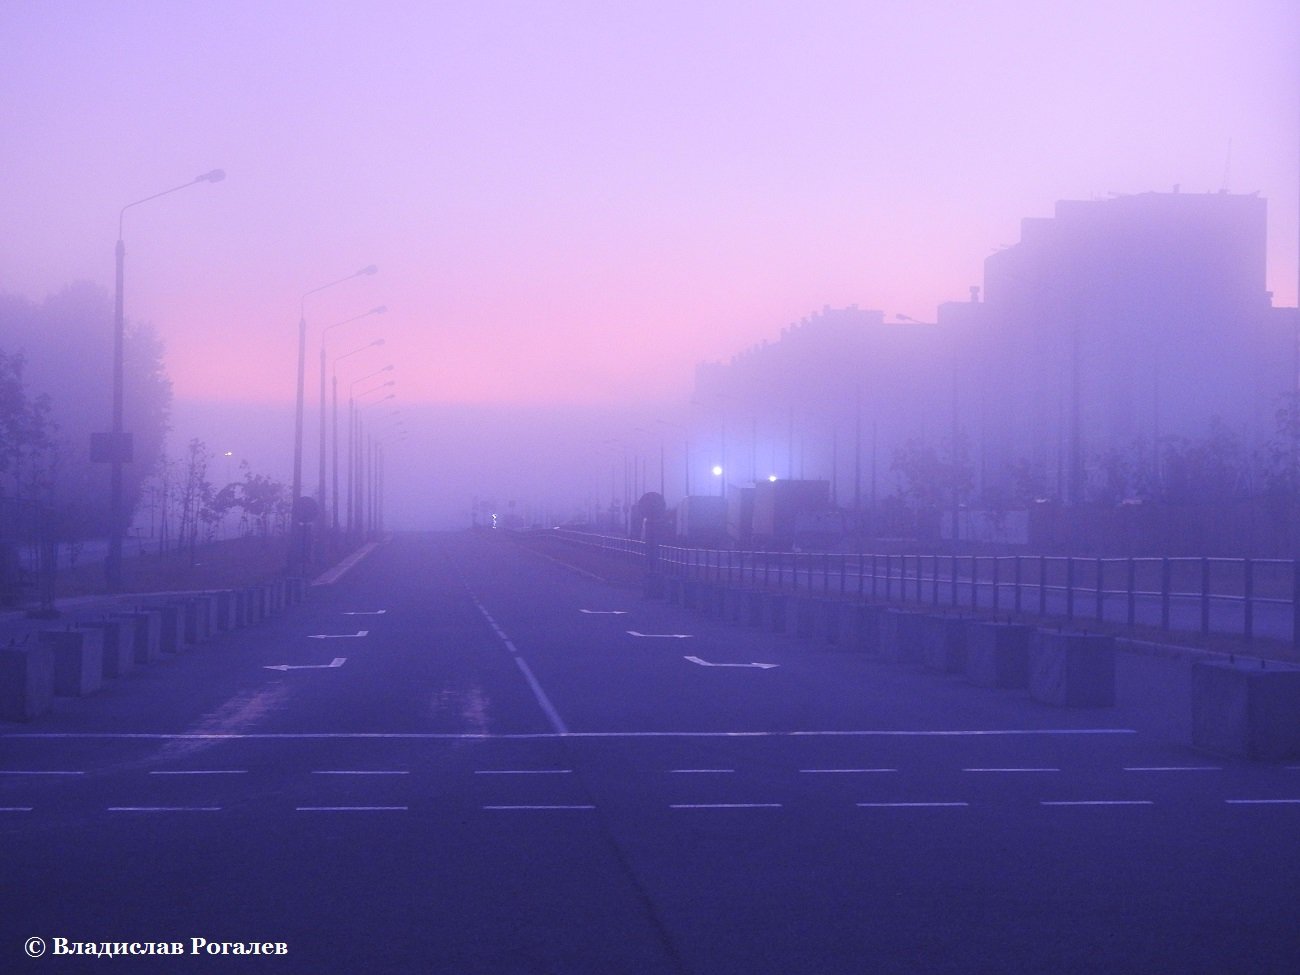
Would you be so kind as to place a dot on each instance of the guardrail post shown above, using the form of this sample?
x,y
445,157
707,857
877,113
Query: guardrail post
x,y
889,583
1295,603
826,572
974,581
1069,587
1248,599
844,559
934,570
1015,575
996,598
1101,593
1205,596
1164,593
952,571
1132,594
1042,585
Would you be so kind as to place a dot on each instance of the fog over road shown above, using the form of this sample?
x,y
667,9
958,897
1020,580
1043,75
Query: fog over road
x,y
520,769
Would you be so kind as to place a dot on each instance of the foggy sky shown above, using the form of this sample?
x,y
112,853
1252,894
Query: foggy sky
x,y
574,203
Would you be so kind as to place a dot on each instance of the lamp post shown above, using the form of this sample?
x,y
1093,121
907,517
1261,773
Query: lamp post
x,y
334,422
300,543
118,449
320,482
357,505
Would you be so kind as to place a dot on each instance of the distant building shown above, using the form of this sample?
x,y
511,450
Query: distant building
x,y
1109,330
1114,325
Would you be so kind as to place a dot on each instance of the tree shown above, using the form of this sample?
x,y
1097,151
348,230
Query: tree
x,y
66,345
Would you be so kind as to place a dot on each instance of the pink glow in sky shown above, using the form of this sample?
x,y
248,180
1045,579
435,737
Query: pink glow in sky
x,y
577,202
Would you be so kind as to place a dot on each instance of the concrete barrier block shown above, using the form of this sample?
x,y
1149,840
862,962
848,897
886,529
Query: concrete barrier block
x,y
900,637
1072,670
256,604
146,634
225,610
119,644
943,644
858,628
801,616
275,596
776,606
171,637
826,625
78,660
26,681
196,619
1241,710
997,654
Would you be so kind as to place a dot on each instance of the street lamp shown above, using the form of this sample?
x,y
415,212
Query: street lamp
x,y
360,479
119,447
334,410
377,310
301,545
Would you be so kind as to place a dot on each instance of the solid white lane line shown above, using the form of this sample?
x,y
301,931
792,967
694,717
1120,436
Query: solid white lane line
x,y
1011,770
523,771
359,772
5,809
725,805
518,808
1174,768
29,772
553,716
846,771
1262,802
1097,802
543,701
528,736
350,808
913,805
700,771
153,809
202,771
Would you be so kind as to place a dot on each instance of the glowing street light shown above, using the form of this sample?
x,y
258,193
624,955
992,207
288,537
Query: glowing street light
x,y
119,450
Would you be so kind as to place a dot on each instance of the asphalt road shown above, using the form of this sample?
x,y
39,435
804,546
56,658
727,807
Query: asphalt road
x,y
500,778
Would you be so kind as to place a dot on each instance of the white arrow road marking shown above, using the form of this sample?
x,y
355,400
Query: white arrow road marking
x,y
604,612
367,612
338,636
336,662
661,636
705,663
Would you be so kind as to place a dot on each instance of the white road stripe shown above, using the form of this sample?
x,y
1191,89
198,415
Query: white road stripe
x,y
700,771
204,771
153,809
1098,802
912,805
1174,768
359,772
725,805
5,809
508,808
846,771
553,716
28,772
1011,770
350,808
523,771
1262,802
531,736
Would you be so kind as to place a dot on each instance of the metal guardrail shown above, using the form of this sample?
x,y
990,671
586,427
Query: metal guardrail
x,y
1249,598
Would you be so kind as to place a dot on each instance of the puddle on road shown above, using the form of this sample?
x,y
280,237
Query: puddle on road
x,y
470,705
